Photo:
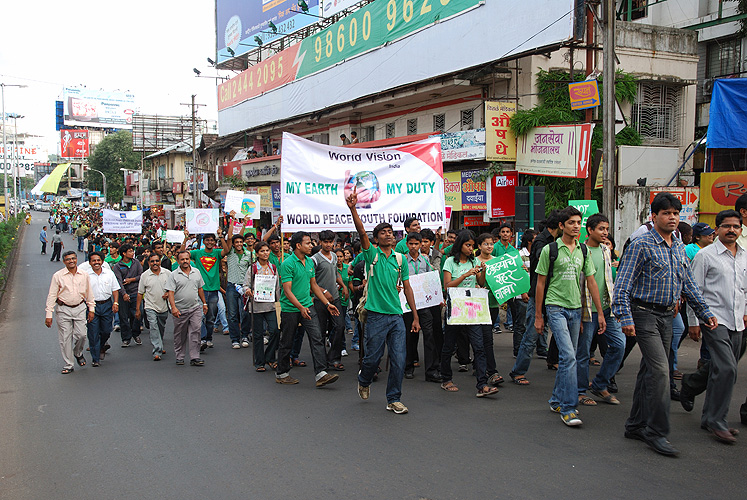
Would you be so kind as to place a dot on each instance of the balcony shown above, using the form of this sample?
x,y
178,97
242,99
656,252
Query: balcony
x,y
165,184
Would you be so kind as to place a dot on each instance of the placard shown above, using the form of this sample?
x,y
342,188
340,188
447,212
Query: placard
x,y
506,277
468,306
123,222
173,236
426,289
587,208
242,203
264,287
202,220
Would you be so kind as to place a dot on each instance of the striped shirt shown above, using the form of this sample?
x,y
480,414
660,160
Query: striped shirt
x,y
237,265
654,272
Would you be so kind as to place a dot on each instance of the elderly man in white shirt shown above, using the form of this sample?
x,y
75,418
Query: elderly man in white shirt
x,y
720,270
106,294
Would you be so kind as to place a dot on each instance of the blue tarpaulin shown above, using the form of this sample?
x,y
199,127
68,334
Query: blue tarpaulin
x,y
728,114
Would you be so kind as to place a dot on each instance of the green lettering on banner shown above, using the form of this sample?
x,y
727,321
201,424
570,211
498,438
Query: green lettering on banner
x,y
393,188
506,277
587,208
293,188
376,24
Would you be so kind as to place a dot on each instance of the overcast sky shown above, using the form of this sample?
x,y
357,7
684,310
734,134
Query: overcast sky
x,y
147,47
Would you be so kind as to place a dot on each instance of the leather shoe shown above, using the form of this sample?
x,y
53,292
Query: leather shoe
x,y
660,445
409,375
675,394
612,387
639,434
434,378
723,436
687,399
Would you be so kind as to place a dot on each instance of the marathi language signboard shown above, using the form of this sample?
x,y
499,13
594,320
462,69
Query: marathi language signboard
x,y
123,222
474,196
468,306
74,143
503,194
506,277
500,141
426,289
392,184
453,190
584,94
556,150
463,145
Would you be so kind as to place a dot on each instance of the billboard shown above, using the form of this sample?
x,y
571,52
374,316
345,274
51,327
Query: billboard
x,y
463,145
332,7
499,138
240,21
84,107
74,143
27,155
556,150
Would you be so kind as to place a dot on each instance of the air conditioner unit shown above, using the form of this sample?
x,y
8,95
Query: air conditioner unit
x,y
707,87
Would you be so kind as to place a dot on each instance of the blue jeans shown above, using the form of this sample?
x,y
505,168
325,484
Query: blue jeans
x,y
238,319
612,358
528,343
566,326
99,329
356,331
678,329
384,330
208,320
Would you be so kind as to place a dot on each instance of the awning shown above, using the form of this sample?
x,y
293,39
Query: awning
x,y
52,184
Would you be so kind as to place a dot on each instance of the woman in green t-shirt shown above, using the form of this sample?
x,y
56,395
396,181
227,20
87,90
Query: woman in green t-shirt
x,y
462,270
485,249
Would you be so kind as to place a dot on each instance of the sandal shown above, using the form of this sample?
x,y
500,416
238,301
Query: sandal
x,y
298,362
65,371
495,379
585,400
81,360
520,380
486,391
449,386
273,365
594,362
261,369
609,398
338,367
552,367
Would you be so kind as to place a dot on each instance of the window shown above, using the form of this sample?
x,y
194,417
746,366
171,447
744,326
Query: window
x,y
657,112
468,119
367,134
439,122
633,9
390,130
723,58
412,126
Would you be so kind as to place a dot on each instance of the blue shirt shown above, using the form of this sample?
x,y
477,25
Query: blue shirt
x,y
654,272
43,236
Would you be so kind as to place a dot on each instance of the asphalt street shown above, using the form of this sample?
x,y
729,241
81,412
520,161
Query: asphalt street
x,y
135,428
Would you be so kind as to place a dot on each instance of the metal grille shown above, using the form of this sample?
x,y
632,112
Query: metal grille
x,y
439,122
724,57
657,113
390,130
412,126
468,119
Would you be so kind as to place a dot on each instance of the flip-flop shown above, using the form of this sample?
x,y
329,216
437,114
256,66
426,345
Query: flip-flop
x,y
298,362
261,369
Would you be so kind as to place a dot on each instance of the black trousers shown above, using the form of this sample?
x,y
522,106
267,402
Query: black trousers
x,y
432,357
56,251
335,325
697,382
44,247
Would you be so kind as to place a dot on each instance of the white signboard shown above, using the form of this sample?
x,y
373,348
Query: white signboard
x,y
463,145
123,222
392,184
242,203
555,150
426,289
202,220
173,236
25,154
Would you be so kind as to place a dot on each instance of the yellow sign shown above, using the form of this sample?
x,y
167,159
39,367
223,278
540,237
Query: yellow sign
x,y
500,141
584,94
453,190
719,191
599,184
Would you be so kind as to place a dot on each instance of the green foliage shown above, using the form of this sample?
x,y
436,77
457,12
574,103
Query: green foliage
x,y
8,234
111,154
236,181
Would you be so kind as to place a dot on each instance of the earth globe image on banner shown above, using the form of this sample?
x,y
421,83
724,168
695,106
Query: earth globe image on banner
x,y
248,206
366,185
202,219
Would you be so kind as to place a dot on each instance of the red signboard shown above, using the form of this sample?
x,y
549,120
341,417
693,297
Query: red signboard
x,y
503,194
474,220
74,143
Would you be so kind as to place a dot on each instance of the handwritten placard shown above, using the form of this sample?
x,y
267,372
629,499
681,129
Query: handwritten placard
x,y
264,287
506,277
426,289
468,306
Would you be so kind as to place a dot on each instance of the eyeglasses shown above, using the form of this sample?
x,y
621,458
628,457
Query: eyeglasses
x,y
730,226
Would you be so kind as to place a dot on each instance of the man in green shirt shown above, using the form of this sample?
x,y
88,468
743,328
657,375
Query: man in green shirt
x,y
562,300
238,260
113,256
412,225
277,256
384,323
297,277
207,261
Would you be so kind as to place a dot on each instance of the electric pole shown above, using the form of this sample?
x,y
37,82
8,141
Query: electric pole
x,y
196,202
609,192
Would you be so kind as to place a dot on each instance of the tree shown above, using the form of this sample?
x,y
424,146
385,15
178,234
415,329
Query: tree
x,y
111,154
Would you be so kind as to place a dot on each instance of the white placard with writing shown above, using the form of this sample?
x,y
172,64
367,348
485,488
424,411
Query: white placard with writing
x,y
264,287
426,290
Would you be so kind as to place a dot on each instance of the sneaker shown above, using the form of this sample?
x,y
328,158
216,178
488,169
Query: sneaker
x,y
327,379
266,340
179,361
138,341
497,330
116,328
344,353
364,392
355,347
196,362
397,407
286,380
541,356
210,344
125,343
245,342
555,407
463,368
571,419
203,345
235,345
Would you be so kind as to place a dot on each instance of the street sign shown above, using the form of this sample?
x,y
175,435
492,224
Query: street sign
x,y
94,194
584,94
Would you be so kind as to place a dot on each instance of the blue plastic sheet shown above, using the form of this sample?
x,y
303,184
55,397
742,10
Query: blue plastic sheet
x,y
728,114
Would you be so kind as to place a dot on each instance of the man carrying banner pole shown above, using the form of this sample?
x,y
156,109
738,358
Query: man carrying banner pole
x,y
384,324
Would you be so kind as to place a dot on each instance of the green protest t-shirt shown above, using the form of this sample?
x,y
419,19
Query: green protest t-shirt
x,y
208,263
299,275
111,260
499,249
383,296
345,280
457,269
597,257
565,288
402,246
274,260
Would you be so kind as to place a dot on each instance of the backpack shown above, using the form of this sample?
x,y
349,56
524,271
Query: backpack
x,y
360,310
553,257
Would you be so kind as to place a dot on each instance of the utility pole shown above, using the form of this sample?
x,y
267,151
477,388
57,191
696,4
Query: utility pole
x,y
609,192
590,46
196,202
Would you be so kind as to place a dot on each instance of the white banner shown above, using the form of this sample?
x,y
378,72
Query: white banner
x,y
123,222
392,184
244,204
555,150
202,220
426,289
173,236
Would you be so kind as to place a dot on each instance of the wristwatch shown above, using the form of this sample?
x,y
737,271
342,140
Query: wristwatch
x,y
327,304
116,303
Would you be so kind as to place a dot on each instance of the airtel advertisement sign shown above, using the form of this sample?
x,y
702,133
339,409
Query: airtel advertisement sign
x,y
74,143
503,194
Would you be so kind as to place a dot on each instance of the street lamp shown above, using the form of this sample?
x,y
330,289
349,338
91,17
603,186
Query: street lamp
x,y
102,175
15,117
5,173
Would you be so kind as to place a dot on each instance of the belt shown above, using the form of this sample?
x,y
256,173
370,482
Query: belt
x,y
61,303
652,306
104,301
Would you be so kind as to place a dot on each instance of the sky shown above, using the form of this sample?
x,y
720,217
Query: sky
x,y
147,47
